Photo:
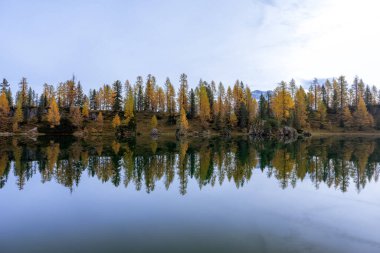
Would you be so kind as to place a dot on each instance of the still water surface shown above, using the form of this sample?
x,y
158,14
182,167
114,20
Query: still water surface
x,y
239,195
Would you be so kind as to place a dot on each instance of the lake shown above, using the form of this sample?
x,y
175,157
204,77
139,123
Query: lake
x,y
202,195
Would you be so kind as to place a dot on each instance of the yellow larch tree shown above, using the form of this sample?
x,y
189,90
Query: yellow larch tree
x,y
204,105
282,102
362,119
18,117
4,104
85,110
53,116
128,107
300,109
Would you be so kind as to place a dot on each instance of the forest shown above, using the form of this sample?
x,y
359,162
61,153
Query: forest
x,y
332,105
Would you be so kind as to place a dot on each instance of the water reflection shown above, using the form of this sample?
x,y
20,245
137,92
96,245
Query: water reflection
x,y
338,163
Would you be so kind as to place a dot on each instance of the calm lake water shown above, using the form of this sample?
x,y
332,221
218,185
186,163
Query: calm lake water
x,y
239,195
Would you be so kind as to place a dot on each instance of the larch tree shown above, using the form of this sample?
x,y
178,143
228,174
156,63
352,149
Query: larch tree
x,y
204,106
139,97
23,92
233,119
328,87
183,124
4,112
300,110
149,93
347,117
282,102
160,94
292,88
76,116
321,114
170,97
335,96
129,107
355,88
228,104
220,113
18,116
251,106
362,119
4,104
342,84
182,93
85,110
53,116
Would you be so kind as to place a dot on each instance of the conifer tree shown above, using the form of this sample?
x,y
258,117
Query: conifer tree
x,y
362,119
228,104
79,100
321,114
93,101
183,124
355,88
282,102
251,106
18,116
220,112
128,107
4,105
300,112
328,87
242,115
335,96
139,94
193,108
117,96
160,99
204,106
85,110
170,97
347,117
149,93
263,107
182,93
233,119
292,88
4,85
53,116
23,92
343,92
76,116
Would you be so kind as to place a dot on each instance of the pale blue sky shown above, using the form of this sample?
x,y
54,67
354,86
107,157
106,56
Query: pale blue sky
x,y
259,42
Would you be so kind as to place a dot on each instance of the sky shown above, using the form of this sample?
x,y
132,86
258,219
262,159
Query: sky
x,y
259,42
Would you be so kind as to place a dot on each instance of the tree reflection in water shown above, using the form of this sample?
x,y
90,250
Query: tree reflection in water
x,y
337,163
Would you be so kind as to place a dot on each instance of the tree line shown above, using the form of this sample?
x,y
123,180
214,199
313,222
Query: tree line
x,y
332,103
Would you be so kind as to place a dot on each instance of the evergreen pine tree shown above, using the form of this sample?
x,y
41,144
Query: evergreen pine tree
x,y
117,96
